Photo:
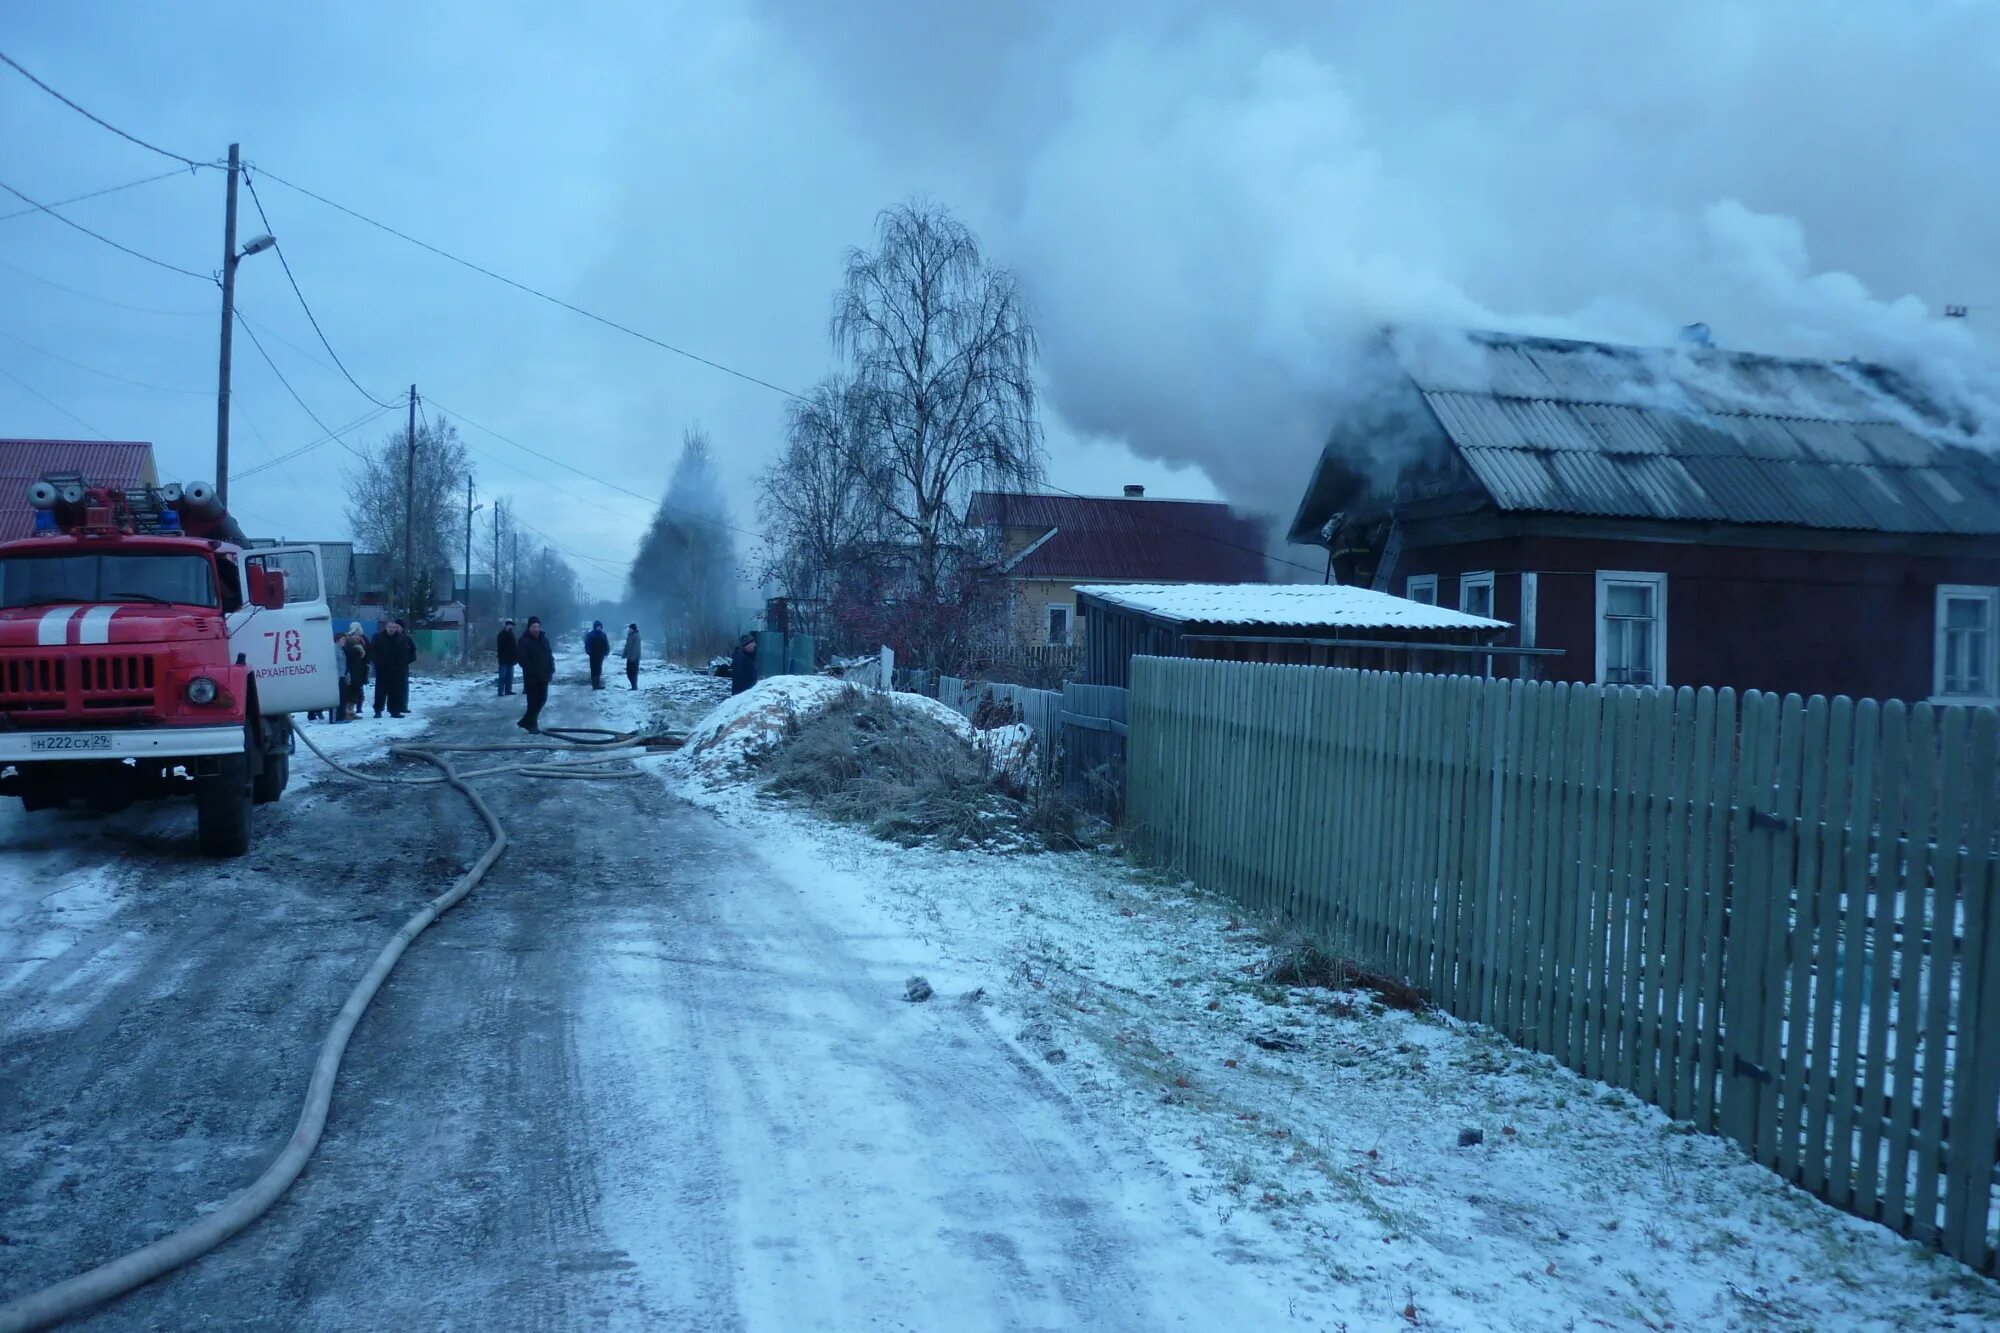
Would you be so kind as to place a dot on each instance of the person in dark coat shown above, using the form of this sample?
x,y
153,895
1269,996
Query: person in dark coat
x,y
395,653
504,648
538,668
632,654
597,646
353,687
743,665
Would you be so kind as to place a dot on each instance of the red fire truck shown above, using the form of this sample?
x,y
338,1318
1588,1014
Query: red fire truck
x,y
146,650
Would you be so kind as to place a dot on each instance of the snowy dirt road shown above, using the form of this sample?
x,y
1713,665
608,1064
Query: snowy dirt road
x,y
641,1078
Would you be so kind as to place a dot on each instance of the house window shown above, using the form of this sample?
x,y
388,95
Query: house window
x,y
1631,628
1967,620
1058,622
1475,594
1422,588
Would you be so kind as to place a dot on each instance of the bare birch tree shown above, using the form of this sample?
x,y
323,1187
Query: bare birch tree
x,y
818,501
376,489
942,356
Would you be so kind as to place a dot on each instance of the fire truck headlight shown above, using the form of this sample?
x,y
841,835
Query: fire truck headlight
x,y
201,690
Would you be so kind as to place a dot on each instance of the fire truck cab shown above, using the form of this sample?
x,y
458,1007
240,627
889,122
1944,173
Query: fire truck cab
x,y
147,651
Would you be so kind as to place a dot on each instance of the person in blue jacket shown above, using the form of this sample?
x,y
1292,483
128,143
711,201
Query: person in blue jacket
x,y
597,646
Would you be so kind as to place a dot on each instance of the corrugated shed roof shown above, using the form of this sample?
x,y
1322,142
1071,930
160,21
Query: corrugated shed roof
x,y
1107,537
1283,604
1702,434
22,462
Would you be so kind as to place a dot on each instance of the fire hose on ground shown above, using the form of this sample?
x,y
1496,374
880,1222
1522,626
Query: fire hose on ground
x,y
609,755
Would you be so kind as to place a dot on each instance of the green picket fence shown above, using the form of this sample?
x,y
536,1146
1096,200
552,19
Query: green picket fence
x,y
1772,917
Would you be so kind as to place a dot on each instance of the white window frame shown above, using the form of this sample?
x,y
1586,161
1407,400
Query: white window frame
x,y
1478,578
1607,577
1990,669
1069,622
1424,582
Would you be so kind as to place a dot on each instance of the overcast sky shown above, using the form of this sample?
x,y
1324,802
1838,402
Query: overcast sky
x,y
1202,204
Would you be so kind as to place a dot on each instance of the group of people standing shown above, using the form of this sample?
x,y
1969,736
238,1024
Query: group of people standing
x,y
535,655
597,647
388,656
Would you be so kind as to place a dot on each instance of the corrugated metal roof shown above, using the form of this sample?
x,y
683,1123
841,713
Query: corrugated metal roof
x,y
1306,605
1701,434
1114,537
118,463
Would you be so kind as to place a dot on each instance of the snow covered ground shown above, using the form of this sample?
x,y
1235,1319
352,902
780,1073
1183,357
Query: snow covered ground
x,y
1322,1140
657,1072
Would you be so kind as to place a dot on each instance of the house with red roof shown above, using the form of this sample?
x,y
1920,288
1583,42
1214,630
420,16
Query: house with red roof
x,y
118,463
1044,545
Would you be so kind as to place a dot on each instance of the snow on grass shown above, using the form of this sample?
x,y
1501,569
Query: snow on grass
x,y
746,725
370,737
1335,1159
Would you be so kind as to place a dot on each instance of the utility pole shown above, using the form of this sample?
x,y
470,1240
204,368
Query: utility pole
x,y
514,596
228,328
465,609
410,512
499,512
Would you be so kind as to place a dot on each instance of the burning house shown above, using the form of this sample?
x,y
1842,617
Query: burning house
x,y
1675,517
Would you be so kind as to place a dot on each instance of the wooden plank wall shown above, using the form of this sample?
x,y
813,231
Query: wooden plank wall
x,y
1774,918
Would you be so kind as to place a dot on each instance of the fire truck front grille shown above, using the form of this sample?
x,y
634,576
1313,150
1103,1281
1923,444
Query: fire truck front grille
x,y
121,681
34,682
46,683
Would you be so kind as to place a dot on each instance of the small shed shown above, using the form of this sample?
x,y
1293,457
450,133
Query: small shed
x,y
1304,623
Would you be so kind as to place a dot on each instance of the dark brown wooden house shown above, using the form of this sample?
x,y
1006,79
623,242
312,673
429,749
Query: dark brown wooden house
x,y
1308,624
1675,517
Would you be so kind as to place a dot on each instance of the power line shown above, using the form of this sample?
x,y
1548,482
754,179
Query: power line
x,y
305,352
94,194
96,119
364,419
93,370
311,318
324,428
53,403
648,500
553,544
543,481
160,263
101,300
532,291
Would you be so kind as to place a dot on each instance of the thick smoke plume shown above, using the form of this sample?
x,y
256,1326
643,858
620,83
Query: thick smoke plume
x,y
1221,218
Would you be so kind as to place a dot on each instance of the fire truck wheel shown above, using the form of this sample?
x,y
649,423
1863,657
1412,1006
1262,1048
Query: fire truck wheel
x,y
270,781
222,808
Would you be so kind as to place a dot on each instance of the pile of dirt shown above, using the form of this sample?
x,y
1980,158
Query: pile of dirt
x,y
911,777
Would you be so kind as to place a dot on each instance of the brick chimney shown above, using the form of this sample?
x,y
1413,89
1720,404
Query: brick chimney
x,y
1135,492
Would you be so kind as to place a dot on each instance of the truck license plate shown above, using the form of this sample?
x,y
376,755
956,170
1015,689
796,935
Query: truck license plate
x,y
87,740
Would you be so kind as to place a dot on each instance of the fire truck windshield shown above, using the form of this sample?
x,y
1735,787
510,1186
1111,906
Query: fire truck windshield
x,y
163,577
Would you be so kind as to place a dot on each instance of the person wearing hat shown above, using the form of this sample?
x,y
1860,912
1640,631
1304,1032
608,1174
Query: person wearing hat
x,y
538,668
632,652
503,647
395,653
355,683
597,647
743,664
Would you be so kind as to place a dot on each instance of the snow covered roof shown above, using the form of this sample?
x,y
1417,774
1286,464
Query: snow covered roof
x,y
1331,604
1697,434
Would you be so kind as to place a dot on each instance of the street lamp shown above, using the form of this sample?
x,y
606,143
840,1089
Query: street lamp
x,y
231,256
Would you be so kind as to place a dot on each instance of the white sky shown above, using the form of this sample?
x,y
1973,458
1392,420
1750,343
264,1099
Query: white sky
x,y
1200,201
